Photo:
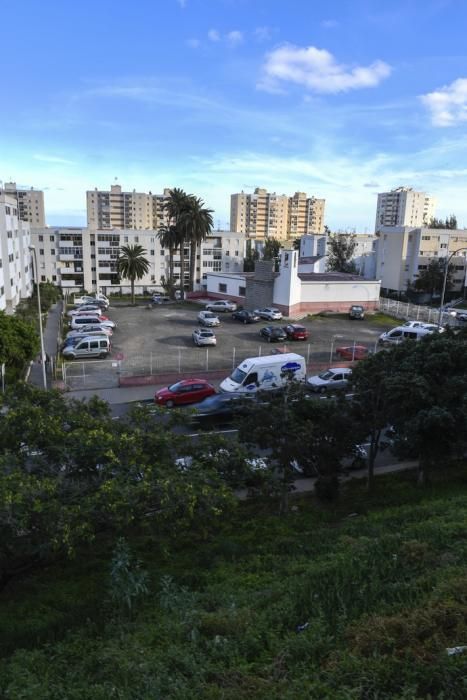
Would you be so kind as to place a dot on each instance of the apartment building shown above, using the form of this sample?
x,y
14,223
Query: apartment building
x,y
30,203
114,209
404,207
86,258
263,215
15,256
402,252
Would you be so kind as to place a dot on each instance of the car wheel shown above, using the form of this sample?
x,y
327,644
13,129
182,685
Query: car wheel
x,y
245,322
102,355
169,403
322,390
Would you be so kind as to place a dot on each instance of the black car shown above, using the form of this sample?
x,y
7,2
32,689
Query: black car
x,y
245,316
220,407
273,334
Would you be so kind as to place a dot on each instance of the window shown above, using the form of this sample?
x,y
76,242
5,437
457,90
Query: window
x,y
52,238
443,245
52,251
54,278
42,278
222,288
241,291
422,267
426,238
152,252
41,238
41,251
9,234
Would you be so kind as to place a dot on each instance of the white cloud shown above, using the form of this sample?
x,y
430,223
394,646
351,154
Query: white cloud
x,y
234,37
329,23
263,33
213,35
193,43
45,158
448,105
318,70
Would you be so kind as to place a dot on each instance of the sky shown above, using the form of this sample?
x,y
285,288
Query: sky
x,y
341,100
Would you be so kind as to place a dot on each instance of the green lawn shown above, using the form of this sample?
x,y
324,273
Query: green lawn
x,y
354,600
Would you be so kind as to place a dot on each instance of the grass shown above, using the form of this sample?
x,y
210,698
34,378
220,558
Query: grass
x,y
358,599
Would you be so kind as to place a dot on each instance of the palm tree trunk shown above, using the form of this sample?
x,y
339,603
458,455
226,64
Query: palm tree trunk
x,y
193,251
132,282
182,268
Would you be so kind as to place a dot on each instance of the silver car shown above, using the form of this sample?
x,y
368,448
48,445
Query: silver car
x,y
221,305
270,313
333,378
207,318
203,336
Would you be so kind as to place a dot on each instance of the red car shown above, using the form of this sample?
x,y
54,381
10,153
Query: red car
x,y
184,392
353,352
296,332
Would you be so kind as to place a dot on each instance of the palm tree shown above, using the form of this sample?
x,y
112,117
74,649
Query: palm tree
x,y
132,265
175,206
169,239
197,221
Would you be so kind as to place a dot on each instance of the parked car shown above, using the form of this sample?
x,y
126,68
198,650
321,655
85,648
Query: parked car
x,y
90,330
221,305
84,308
295,331
203,336
402,333
184,392
72,340
78,321
245,316
273,334
87,347
353,352
207,318
333,378
160,299
357,312
269,313
433,327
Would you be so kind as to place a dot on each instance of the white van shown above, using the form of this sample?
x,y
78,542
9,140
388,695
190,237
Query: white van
x,y
87,347
400,333
79,321
268,372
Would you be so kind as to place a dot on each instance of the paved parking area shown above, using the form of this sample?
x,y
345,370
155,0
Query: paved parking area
x,y
149,341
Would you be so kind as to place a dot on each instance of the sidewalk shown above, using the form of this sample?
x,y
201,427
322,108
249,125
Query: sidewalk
x,y
51,330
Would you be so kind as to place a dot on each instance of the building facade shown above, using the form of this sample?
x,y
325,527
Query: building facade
x,y
264,215
30,203
402,252
404,207
86,258
114,209
15,256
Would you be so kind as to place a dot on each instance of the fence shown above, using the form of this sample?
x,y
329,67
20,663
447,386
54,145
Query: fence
x,y
414,312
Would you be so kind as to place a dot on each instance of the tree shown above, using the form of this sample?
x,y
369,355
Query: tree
x,y
251,256
132,265
168,237
176,206
341,249
271,249
196,220
449,223
431,279
19,343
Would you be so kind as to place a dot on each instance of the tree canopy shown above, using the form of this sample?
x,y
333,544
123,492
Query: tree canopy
x,y
450,222
19,343
341,247
431,279
132,265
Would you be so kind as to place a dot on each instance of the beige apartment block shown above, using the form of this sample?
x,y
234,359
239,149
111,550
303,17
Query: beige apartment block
x,y
402,252
114,209
30,203
404,207
263,215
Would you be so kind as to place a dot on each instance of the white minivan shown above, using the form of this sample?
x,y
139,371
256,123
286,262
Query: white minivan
x,y
401,333
267,372
79,321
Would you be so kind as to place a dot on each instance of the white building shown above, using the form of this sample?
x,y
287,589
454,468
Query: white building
x,y
402,252
30,203
86,258
364,255
15,257
404,207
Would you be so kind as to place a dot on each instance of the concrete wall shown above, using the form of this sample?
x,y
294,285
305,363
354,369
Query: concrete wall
x,y
260,288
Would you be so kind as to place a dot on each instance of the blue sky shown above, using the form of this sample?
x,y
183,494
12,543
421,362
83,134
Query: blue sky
x,y
340,100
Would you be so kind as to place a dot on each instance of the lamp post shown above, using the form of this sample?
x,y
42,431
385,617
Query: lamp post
x,y
445,278
36,279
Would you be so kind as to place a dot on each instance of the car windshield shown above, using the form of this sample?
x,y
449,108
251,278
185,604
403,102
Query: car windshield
x,y
175,387
326,375
238,376
357,308
208,314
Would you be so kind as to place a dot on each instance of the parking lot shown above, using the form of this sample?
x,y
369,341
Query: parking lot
x,y
156,340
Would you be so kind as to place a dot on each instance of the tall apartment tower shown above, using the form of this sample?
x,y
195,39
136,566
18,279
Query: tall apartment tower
x,y
404,207
30,203
114,209
263,215
15,257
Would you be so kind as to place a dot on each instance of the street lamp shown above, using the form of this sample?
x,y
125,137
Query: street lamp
x,y
36,279
446,269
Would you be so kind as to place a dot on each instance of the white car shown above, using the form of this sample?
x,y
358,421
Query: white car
x,y
333,378
434,327
221,305
270,313
203,336
90,330
207,318
85,308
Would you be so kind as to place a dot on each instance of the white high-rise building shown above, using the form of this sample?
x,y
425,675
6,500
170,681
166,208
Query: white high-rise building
x,y
15,257
30,203
404,207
